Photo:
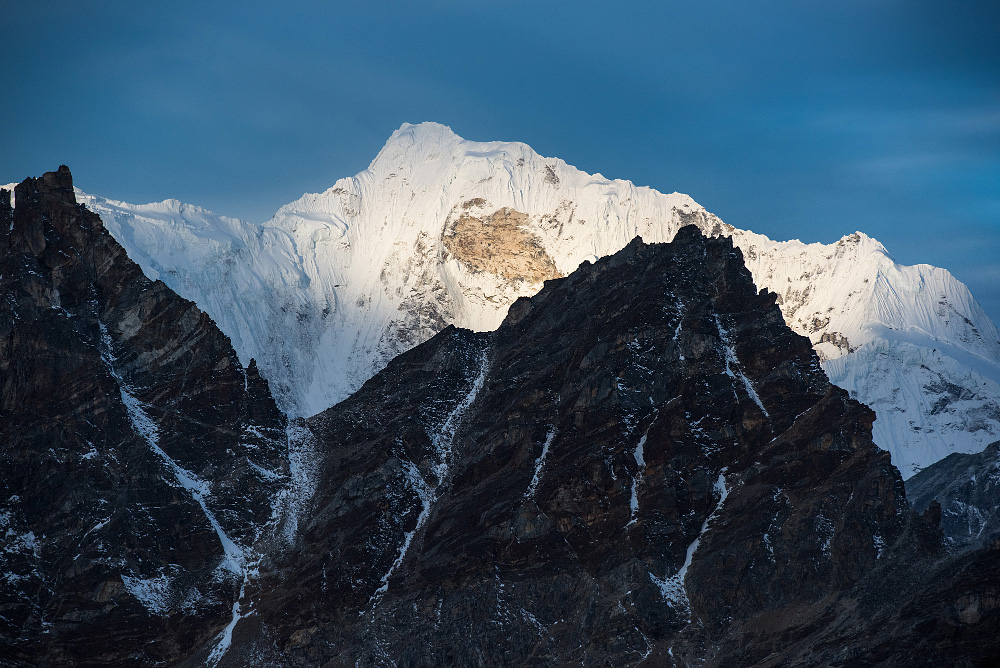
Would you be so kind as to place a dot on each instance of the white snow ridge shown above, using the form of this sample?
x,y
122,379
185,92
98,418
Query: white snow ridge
x,y
437,229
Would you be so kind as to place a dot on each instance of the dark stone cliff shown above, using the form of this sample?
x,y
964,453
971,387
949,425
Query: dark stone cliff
x,y
643,465
137,455
967,487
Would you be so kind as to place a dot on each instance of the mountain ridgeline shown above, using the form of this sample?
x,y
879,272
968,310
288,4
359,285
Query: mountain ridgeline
x,y
642,464
440,230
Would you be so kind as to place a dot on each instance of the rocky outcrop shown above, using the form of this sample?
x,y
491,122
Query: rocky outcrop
x,y
967,488
643,465
498,243
139,460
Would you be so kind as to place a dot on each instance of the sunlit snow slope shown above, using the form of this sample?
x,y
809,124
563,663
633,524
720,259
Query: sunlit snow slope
x,y
441,230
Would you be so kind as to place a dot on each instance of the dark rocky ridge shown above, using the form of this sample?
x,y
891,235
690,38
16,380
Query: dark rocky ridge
x,y
477,506
123,409
967,487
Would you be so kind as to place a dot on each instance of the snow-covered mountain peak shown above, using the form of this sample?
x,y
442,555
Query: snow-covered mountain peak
x,y
428,169
441,230
433,144
859,243
909,341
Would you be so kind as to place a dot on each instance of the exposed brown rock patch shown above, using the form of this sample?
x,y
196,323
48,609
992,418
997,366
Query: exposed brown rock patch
x,y
499,244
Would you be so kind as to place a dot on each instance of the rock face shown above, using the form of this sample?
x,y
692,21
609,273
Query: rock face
x,y
498,245
440,230
642,465
139,461
967,487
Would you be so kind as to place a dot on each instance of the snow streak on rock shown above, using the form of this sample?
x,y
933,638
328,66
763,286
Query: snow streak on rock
x,y
640,461
442,441
672,589
225,637
733,362
539,463
427,497
154,593
303,466
445,436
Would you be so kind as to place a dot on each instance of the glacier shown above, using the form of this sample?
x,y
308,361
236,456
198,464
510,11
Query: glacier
x,y
441,230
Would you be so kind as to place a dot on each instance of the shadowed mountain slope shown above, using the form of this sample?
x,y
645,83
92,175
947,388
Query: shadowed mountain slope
x,y
642,466
138,458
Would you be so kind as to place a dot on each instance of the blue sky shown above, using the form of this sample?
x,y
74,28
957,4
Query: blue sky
x,y
796,119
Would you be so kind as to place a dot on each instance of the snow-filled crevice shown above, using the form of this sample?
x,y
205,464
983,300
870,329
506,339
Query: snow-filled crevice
x,y
146,427
540,463
235,558
681,310
303,469
733,367
673,589
225,638
427,496
640,461
442,440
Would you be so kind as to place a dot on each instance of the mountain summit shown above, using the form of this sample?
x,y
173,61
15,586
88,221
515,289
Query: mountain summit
x,y
440,230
